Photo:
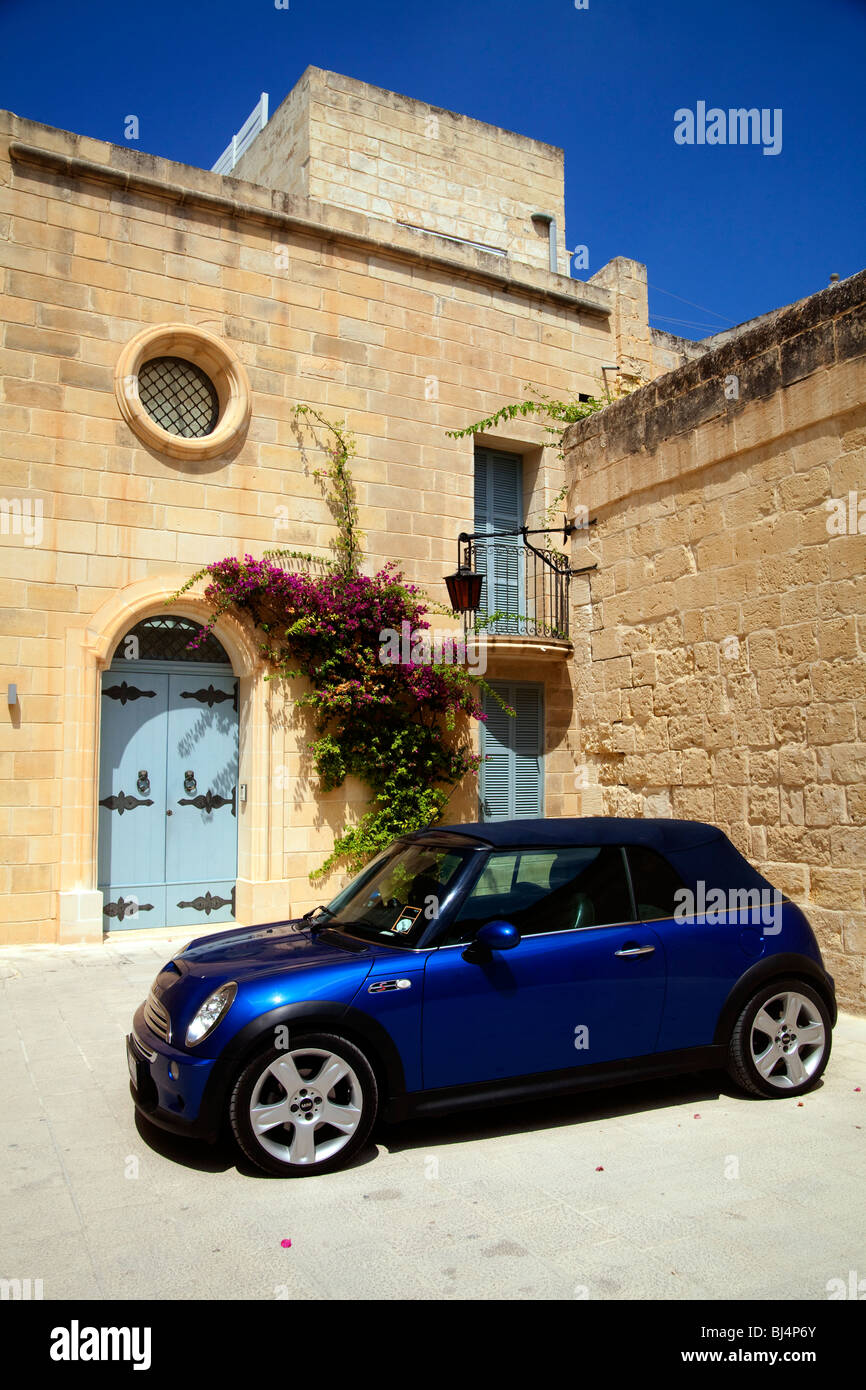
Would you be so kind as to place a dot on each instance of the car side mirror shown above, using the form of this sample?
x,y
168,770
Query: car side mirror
x,y
493,936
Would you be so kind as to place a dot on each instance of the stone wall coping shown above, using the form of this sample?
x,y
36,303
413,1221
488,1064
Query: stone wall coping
x,y
824,330
131,171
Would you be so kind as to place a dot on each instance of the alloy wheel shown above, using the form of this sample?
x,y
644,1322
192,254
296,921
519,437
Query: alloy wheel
x,y
305,1106
787,1040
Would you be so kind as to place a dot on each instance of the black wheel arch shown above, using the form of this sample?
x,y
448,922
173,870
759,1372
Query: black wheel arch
x,y
314,1014
763,972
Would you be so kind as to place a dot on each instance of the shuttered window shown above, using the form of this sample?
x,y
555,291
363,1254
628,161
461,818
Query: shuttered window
x,y
512,777
499,507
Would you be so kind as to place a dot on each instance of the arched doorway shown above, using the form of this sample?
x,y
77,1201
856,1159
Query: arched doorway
x,y
167,833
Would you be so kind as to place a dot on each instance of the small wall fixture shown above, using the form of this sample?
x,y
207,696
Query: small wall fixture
x,y
12,695
549,221
605,368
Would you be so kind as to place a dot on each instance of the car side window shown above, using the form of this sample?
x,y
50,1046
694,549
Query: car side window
x,y
548,890
497,877
654,881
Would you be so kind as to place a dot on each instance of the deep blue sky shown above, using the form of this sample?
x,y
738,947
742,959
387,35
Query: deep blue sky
x,y
727,227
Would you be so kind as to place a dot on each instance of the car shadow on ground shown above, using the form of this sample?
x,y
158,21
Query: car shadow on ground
x,y
534,1116
217,1157
469,1126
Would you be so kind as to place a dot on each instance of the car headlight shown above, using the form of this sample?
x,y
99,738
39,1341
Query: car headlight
x,y
208,1015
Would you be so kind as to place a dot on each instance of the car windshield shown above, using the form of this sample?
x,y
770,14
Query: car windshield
x,y
399,895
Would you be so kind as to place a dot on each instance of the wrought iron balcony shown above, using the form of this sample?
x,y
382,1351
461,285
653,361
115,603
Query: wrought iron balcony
x,y
523,591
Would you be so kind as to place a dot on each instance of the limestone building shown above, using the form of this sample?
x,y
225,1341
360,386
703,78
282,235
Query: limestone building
x,y
399,267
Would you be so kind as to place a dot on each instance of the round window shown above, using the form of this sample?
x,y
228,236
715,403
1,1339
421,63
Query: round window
x,y
179,396
183,391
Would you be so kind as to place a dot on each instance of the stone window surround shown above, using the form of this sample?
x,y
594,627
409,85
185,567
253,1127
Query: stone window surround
x,y
215,358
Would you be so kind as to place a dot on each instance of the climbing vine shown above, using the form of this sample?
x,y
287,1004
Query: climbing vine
x,y
393,723
557,416
336,482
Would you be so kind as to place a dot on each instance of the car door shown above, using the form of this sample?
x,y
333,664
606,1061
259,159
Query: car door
x,y
585,984
705,954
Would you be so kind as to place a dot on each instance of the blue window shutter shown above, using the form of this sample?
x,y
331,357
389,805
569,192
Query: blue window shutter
x,y
481,510
496,771
528,745
482,521
499,507
512,778
506,586
505,486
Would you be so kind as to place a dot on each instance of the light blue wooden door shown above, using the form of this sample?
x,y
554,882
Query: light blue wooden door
x,y
168,795
132,798
511,783
201,850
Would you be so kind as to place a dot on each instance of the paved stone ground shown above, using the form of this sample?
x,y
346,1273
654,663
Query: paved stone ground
x,y
703,1193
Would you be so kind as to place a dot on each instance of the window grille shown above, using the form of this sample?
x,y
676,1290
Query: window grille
x,y
179,396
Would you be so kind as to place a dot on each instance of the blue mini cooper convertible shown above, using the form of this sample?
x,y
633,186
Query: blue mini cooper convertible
x,y
473,964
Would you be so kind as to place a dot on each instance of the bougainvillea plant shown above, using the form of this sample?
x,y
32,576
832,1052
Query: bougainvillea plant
x,y
392,724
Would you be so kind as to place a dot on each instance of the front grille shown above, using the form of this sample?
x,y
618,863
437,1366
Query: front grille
x,y
140,1050
156,1018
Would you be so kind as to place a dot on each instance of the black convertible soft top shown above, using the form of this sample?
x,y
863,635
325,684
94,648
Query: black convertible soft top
x,y
697,851
660,834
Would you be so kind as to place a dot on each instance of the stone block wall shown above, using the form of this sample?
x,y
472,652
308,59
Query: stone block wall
x,y
725,631
402,160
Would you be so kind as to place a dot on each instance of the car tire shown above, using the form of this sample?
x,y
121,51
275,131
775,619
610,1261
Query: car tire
x,y
781,1041
304,1109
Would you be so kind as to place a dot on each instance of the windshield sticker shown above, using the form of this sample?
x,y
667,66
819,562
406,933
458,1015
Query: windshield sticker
x,y
408,917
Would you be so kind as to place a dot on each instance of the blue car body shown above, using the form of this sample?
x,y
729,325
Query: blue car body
x,y
445,1025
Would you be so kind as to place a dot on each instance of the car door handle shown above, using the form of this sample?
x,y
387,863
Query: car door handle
x,y
635,951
